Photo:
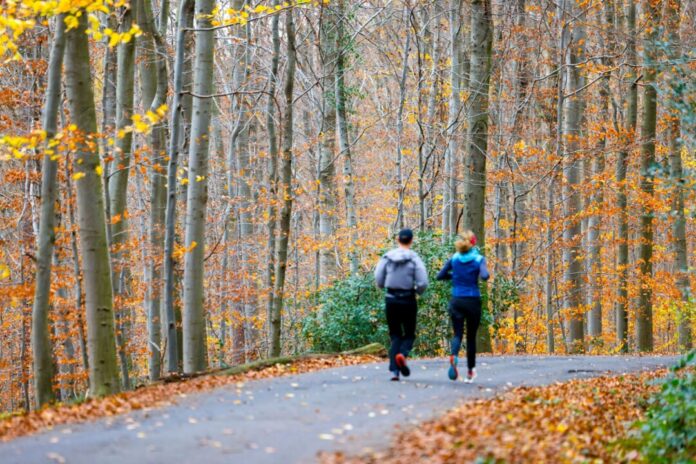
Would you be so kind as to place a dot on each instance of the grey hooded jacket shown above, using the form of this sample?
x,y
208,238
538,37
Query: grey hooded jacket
x,y
401,269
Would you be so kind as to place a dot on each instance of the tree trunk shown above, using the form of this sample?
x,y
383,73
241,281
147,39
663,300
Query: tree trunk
x,y
327,148
271,112
79,300
475,187
286,183
239,146
118,183
681,251
400,185
169,316
344,137
40,336
572,251
594,295
449,209
197,198
153,72
101,344
644,322
621,196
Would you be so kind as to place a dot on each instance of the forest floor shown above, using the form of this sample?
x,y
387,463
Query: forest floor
x,y
354,410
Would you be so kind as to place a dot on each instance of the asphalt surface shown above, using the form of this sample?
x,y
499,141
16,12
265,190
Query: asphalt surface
x,y
291,419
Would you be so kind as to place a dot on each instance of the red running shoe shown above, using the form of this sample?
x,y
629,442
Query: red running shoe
x,y
401,364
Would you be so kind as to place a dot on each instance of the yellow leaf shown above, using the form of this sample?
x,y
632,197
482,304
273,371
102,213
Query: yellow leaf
x,y
99,170
78,175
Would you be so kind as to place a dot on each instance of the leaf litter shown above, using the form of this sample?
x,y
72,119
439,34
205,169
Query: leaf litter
x,y
570,422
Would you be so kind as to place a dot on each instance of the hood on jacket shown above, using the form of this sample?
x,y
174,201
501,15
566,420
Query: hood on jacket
x,y
471,255
399,255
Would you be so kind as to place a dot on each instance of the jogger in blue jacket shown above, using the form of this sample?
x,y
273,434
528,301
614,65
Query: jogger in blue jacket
x,y
465,269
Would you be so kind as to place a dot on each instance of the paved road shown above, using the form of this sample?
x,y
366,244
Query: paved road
x,y
290,419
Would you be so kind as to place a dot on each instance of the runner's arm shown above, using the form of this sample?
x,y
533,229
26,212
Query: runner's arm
x,y
381,273
483,270
421,277
446,271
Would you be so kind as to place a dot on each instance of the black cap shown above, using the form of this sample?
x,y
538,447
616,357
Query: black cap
x,y
405,236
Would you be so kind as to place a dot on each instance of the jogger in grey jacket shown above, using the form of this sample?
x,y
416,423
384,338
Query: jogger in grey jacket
x,y
403,274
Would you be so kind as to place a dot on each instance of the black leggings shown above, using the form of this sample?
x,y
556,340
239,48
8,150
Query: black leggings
x,y
401,319
469,309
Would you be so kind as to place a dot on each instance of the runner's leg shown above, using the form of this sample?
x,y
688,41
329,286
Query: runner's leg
x,y
457,327
409,310
473,320
395,330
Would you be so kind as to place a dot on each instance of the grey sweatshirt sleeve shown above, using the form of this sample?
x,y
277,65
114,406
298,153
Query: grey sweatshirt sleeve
x,y
381,272
421,278
483,270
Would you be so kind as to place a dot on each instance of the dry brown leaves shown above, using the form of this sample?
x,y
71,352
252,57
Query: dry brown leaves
x,y
158,395
568,422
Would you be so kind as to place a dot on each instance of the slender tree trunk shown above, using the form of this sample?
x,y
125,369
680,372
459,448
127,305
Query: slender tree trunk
x,y
550,338
40,338
475,187
344,138
153,72
241,150
449,210
327,147
271,114
171,339
400,185
572,252
286,183
197,198
621,196
594,224
103,372
681,251
118,183
644,320
79,300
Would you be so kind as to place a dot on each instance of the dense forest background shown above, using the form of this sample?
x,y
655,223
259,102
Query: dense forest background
x,y
207,183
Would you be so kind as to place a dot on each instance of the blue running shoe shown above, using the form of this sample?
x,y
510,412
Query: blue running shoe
x,y
453,373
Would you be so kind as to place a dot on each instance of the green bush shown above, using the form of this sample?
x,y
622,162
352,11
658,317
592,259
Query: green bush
x,y
351,312
350,315
668,432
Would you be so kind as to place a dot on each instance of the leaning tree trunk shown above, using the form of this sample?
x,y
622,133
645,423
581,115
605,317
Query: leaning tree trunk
x,y
286,183
118,183
197,198
677,175
168,313
475,187
101,343
327,147
644,322
40,335
344,137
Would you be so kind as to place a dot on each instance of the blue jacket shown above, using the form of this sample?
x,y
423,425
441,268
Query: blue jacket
x,y
465,269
